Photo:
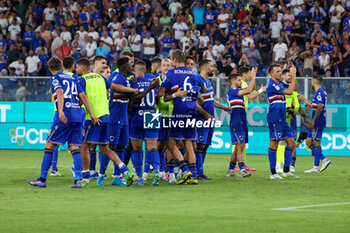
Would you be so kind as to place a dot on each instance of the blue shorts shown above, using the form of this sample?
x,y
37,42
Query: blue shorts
x,y
163,133
315,133
119,135
96,134
239,133
280,130
205,134
293,127
60,133
183,133
143,134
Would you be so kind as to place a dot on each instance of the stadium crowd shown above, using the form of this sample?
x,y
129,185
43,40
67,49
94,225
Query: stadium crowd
x,y
312,35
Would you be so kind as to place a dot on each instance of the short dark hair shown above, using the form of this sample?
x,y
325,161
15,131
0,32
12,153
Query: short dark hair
x,y
156,60
233,77
98,58
285,71
68,62
243,70
84,62
140,66
122,61
271,67
203,63
179,56
318,78
148,64
322,50
189,57
55,64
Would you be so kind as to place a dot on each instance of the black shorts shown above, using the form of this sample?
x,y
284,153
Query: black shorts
x,y
302,136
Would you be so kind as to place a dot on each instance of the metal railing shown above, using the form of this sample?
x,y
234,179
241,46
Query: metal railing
x,y
38,88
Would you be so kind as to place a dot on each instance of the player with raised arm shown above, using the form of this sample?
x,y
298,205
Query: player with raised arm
x,y
317,124
143,102
245,77
67,121
95,87
206,109
182,85
276,119
238,120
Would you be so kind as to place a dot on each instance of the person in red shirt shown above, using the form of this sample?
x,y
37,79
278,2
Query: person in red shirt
x,y
63,50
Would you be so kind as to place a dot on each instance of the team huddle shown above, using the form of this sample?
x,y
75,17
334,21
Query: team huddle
x,y
95,107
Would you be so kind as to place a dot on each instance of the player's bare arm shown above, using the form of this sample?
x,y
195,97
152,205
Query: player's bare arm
x,y
85,101
123,89
60,101
291,87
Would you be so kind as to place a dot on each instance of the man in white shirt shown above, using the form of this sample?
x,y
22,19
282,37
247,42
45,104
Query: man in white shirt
x,y
65,34
92,32
33,64
204,37
107,40
49,12
219,49
223,19
179,29
279,50
18,66
185,41
56,42
296,6
134,41
275,28
91,48
336,13
3,24
149,48
119,42
173,7
82,32
114,25
14,29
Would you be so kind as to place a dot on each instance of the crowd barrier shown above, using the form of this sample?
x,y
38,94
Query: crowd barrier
x,y
25,125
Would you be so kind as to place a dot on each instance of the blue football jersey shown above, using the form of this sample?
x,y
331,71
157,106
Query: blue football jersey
x,y
208,97
71,90
236,102
320,98
147,102
277,101
118,102
185,78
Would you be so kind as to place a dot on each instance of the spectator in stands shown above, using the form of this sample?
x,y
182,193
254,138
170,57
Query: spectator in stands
x,y
33,64
63,50
265,46
134,41
165,20
65,34
37,41
167,43
21,91
44,58
18,66
101,49
253,56
14,29
148,43
12,84
336,13
198,14
3,83
3,59
178,30
279,50
325,62
224,68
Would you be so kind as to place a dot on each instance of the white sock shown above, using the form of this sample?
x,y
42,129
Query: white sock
x,y
121,165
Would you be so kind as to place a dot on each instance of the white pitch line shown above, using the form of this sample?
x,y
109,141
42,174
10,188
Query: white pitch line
x,y
298,208
325,211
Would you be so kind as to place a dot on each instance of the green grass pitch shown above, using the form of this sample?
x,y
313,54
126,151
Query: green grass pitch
x,y
220,205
